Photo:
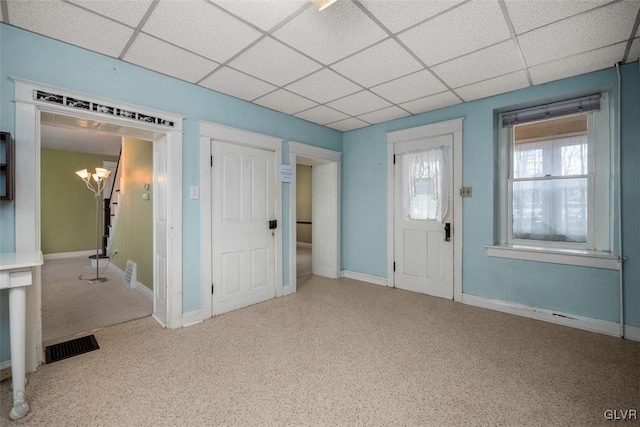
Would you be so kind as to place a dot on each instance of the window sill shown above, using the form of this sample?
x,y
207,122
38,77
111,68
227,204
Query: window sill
x,y
556,256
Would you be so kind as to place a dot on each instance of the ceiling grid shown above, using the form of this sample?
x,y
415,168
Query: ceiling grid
x,y
356,63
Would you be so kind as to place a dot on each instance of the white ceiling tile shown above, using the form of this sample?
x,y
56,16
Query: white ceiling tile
x,y
332,34
274,62
264,14
157,55
324,86
384,115
70,24
397,16
493,61
321,115
125,11
236,84
359,103
348,124
416,85
591,30
634,53
495,86
527,14
285,101
578,64
432,102
472,26
378,64
201,28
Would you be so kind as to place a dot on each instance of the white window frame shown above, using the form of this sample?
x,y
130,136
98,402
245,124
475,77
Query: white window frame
x,y
597,251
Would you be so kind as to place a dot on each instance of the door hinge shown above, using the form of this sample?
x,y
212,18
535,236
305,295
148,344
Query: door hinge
x,y
211,161
394,266
212,289
394,159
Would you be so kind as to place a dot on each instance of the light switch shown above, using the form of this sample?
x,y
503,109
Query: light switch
x,y
194,192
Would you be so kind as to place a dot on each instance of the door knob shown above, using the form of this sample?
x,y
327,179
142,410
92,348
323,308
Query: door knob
x,y
447,232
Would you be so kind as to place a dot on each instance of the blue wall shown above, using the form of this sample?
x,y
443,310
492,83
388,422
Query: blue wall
x,y
44,60
577,290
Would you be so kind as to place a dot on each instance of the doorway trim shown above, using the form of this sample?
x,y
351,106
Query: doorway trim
x,y
210,131
453,127
322,155
27,202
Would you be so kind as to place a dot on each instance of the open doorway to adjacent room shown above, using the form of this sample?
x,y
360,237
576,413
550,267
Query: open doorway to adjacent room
x,y
315,213
304,208
118,227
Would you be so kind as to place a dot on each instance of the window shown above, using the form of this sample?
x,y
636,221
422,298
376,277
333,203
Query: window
x,y
425,183
554,176
550,180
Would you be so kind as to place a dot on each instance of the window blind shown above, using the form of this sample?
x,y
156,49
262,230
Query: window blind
x,y
551,110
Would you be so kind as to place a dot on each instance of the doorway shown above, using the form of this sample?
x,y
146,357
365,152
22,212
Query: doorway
x,y
238,269
32,99
72,230
325,211
303,219
424,209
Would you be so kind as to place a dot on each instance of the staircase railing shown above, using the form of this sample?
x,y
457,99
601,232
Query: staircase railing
x,y
107,207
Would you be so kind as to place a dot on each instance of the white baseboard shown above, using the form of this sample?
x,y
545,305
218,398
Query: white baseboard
x,y
572,320
191,317
139,286
61,255
144,290
632,332
115,269
376,280
304,244
6,364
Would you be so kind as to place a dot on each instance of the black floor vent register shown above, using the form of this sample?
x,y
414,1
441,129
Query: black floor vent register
x,y
71,348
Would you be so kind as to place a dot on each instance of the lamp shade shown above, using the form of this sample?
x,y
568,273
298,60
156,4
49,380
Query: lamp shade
x,y
103,173
84,174
322,4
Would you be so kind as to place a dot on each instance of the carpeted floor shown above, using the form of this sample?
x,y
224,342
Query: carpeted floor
x,y
303,259
71,306
340,352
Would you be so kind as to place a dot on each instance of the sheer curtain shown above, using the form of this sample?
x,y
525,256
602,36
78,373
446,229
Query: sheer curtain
x,y
550,189
426,186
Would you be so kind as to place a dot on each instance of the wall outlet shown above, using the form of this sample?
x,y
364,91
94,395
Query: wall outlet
x,y
466,191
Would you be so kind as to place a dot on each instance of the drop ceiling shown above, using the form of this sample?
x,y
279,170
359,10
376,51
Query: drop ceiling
x,y
356,63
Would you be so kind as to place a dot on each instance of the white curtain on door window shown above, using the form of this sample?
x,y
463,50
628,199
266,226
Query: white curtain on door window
x,y
426,186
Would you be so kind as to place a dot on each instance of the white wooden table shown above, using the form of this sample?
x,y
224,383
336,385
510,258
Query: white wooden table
x,y
16,273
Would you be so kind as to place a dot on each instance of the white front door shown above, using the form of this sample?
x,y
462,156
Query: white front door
x,y
243,252
324,247
423,207
161,232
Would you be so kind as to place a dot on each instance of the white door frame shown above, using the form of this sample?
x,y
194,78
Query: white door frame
x,y
213,131
322,155
27,200
453,127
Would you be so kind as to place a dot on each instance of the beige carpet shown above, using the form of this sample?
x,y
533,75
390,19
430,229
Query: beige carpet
x,y
303,259
340,353
71,306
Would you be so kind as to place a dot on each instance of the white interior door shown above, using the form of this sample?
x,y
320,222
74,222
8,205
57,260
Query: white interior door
x,y
324,246
243,252
160,232
423,179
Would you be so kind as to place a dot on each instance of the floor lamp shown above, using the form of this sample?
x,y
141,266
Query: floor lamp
x,y
99,177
